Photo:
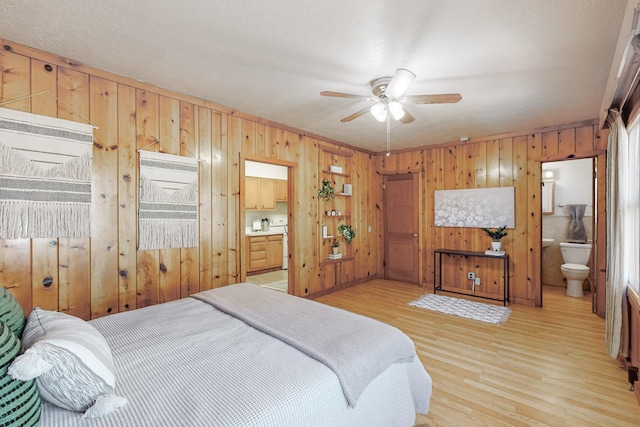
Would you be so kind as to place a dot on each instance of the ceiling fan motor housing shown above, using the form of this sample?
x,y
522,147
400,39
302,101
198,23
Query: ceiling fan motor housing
x,y
379,86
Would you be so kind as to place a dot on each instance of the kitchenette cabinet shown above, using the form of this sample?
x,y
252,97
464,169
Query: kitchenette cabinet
x,y
264,252
260,193
282,190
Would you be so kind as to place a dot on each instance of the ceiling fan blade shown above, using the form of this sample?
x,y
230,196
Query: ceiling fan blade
x,y
343,95
356,115
444,98
407,118
399,83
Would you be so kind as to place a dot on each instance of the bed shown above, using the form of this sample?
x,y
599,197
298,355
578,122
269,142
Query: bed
x,y
199,362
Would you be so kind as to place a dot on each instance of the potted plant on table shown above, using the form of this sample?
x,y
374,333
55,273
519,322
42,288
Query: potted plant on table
x,y
496,235
334,246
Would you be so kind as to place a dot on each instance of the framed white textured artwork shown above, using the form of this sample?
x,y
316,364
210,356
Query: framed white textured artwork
x,y
475,207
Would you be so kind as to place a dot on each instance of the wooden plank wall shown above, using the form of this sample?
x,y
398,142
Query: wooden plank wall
x,y
105,274
511,160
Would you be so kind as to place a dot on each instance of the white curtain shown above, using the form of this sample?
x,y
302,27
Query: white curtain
x,y
623,230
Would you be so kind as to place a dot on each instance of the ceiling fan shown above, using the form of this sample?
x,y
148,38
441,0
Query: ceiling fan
x,y
389,96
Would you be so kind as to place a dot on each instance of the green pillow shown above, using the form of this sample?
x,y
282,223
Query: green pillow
x,y
19,400
11,312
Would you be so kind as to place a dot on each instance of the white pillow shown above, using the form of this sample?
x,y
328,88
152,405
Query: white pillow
x,y
71,361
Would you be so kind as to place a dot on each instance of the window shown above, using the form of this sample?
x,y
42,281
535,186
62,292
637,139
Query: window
x,y
629,163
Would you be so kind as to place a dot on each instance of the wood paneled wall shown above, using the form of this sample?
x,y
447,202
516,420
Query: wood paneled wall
x,y
504,161
106,274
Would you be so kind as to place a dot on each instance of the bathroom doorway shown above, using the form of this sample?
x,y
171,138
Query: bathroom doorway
x,y
568,192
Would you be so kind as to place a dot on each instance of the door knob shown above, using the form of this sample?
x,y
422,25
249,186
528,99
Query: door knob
x,y
415,235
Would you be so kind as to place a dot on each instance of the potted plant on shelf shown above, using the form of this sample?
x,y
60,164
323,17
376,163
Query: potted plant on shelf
x,y
326,190
334,246
347,232
496,235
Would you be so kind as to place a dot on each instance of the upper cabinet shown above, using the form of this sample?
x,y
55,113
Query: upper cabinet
x,y
265,184
260,193
282,190
251,192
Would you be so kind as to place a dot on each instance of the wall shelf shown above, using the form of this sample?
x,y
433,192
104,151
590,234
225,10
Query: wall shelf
x,y
328,172
341,202
328,261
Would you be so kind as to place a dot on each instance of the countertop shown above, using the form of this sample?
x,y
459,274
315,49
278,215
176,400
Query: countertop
x,y
263,233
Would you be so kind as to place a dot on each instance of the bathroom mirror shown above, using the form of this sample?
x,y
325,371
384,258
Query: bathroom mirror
x,y
547,197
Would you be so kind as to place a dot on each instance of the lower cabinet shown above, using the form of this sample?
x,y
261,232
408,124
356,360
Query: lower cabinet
x,y
264,252
257,253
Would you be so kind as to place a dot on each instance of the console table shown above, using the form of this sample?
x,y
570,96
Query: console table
x,y
437,271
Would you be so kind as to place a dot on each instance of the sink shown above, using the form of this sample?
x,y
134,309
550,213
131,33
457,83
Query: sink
x,y
546,242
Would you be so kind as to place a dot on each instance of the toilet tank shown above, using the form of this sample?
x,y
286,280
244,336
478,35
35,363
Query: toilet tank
x,y
575,253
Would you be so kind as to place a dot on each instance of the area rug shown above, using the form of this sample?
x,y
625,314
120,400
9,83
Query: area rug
x,y
464,308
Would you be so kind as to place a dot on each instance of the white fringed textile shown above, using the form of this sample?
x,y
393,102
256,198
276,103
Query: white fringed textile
x,y
45,176
168,205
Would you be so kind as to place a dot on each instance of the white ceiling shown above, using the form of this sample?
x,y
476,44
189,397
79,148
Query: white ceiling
x,y
519,64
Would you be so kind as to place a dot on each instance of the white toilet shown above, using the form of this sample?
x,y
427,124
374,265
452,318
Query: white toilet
x,y
575,257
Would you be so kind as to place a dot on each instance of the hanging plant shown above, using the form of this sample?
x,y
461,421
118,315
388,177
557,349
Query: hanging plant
x,y
347,232
326,191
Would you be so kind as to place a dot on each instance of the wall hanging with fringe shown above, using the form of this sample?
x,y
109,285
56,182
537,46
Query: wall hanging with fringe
x,y
45,176
168,201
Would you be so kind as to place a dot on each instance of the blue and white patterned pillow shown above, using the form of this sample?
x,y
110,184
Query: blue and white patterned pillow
x,y
71,362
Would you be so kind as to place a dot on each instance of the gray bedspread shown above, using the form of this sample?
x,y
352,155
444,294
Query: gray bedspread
x,y
187,363
355,347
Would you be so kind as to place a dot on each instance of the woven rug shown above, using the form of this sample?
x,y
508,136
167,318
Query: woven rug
x,y
488,313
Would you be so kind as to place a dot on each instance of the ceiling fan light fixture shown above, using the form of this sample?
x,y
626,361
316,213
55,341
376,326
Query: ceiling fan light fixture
x,y
379,111
396,110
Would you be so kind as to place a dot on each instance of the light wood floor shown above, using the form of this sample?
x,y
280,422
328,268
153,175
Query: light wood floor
x,y
269,277
544,366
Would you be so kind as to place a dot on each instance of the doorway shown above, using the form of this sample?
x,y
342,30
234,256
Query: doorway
x,y
266,221
567,183
401,228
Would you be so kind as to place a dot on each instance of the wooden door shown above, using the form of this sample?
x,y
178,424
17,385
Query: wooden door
x,y
401,228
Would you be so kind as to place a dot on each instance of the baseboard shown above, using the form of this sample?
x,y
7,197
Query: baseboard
x,y
343,286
